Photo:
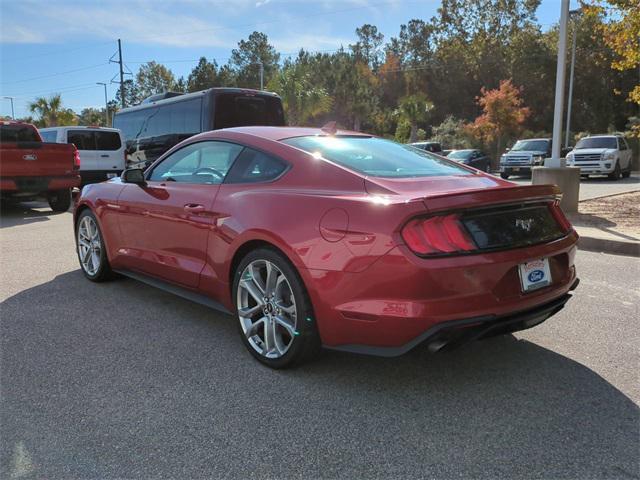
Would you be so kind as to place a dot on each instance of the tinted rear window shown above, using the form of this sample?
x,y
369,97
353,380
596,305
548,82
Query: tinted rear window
x,y
238,110
108,141
377,157
18,133
82,139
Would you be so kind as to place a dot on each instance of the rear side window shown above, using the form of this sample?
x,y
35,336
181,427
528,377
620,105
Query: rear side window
x,y
82,139
49,136
17,133
108,141
253,167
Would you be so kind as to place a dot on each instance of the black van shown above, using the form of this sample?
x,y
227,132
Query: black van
x,y
162,121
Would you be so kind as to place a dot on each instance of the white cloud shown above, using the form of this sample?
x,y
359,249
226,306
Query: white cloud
x,y
309,41
260,3
142,22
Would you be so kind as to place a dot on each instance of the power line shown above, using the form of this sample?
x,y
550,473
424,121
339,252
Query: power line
x,y
52,53
61,89
55,74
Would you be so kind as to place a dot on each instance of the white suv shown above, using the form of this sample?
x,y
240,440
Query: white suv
x,y
602,155
102,150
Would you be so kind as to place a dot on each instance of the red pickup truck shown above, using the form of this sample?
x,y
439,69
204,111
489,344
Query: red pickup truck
x,y
30,168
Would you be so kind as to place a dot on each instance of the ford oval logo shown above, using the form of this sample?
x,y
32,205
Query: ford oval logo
x,y
536,276
30,156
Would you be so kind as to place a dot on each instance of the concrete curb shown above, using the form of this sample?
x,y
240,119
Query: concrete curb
x,y
605,245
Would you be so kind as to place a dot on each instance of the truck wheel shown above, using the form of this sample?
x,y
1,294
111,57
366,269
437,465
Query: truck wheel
x,y
627,172
60,200
617,173
504,175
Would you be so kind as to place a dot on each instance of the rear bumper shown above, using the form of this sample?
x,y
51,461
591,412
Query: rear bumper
x,y
37,185
96,176
456,333
400,299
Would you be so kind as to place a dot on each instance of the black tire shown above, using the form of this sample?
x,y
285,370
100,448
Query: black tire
x,y
104,271
306,343
617,173
627,172
504,175
59,200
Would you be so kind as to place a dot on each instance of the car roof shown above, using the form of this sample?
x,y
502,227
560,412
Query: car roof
x,y
604,135
281,133
528,139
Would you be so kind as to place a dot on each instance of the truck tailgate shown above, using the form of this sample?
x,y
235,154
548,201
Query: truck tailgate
x,y
36,159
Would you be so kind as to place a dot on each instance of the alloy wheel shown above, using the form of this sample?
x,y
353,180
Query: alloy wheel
x,y
266,309
89,245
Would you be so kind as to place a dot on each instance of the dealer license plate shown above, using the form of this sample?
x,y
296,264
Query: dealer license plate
x,y
535,274
516,169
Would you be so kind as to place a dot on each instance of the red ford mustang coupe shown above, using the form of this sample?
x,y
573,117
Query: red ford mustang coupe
x,y
318,237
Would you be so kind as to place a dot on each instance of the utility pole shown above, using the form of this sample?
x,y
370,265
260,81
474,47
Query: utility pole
x,y
560,77
572,13
106,104
121,74
13,115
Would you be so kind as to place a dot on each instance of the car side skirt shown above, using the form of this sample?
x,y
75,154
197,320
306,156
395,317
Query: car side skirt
x,y
176,290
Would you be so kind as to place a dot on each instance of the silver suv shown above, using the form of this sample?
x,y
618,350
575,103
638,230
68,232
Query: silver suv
x,y
524,155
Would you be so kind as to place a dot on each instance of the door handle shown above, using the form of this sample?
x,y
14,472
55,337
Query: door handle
x,y
193,208
104,156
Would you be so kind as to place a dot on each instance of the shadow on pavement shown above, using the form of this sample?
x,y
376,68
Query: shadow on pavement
x,y
122,380
15,213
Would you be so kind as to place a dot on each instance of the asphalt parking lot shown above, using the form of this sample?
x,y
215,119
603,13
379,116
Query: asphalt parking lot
x,y
120,380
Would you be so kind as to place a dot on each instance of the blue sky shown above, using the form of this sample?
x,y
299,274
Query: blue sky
x,y
63,46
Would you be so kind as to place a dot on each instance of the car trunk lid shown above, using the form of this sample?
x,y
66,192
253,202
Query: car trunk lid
x,y
496,214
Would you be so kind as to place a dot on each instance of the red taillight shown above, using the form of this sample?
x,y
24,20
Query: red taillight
x,y
560,217
76,159
437,235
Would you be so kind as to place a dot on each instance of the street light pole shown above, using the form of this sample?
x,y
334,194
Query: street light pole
x,y
572,13
560,77
13,115
106,104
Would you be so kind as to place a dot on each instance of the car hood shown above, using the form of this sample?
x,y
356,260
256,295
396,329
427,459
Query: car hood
x,y
592,151
526,152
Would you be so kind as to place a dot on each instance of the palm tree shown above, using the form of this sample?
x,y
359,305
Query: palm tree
x,y
51,112
414,109
300,97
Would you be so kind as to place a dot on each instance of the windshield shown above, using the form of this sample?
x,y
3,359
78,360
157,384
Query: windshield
x,y
18,133
597,142
377,157
531,146
460,154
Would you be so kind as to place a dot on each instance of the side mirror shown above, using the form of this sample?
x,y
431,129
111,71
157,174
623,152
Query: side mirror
x,y
133,175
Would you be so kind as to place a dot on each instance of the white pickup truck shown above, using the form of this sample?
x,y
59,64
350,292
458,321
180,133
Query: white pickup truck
x,y
602,155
